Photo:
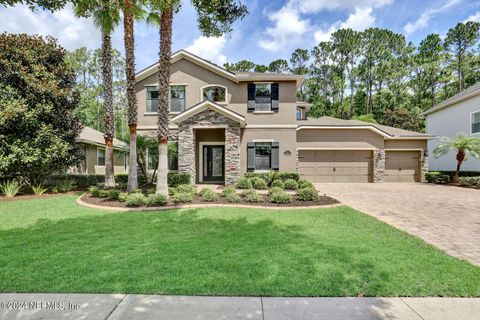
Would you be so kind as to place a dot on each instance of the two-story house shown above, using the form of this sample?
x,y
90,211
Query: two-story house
x,y
226,123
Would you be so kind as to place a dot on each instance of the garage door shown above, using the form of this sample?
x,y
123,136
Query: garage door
x,y
401,166
335,165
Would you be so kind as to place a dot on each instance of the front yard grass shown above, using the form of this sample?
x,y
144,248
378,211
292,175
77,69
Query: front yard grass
x,y
54,245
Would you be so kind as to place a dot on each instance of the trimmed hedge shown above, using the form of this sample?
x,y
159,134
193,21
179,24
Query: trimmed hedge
x,y
287,175
470,181
437,177
177,178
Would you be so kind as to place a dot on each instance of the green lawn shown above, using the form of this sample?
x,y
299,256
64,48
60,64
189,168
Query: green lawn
x,y
53,245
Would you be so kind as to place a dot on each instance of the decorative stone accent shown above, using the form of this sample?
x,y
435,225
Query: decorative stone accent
x,y
378,165
423,167
187,145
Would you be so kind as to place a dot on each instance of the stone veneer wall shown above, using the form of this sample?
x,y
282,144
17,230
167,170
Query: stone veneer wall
x,y
187,144
378,165
423,168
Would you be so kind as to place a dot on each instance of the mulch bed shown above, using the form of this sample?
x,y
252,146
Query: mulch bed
x,y
324,200
33,196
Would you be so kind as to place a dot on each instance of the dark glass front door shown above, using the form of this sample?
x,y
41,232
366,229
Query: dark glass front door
x,y
213,163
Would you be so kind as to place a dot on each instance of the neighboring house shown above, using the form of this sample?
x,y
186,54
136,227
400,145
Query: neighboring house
x,y
92,145
227,123
458,114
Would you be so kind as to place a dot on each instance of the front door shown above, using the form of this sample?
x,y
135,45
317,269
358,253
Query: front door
x,y
213,163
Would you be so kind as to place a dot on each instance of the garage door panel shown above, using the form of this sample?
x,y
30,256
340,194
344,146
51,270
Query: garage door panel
x,y
335,165
402,166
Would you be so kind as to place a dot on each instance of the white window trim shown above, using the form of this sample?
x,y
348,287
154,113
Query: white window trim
x,y
215,85
471,122
200,155
104,155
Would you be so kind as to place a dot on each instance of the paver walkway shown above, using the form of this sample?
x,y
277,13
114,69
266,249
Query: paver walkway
x,y
447,217
142,307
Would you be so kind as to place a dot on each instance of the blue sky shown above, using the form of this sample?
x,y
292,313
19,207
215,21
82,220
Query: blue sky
x,y
271,30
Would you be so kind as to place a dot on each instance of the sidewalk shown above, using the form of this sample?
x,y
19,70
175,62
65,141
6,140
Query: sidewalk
x,y
143,307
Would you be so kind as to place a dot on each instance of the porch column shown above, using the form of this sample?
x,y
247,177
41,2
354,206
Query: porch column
x,y
232,154
186,151
378,165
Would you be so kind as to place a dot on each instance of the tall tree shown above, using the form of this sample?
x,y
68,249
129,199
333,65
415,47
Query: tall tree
x,y
260,68
241,66
106,17
278,66
51,5
298,61
459,39
430,58
214,17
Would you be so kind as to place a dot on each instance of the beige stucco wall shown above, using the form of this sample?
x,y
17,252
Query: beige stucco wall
x,y
91,160
339,139
406,144
195,77
287,142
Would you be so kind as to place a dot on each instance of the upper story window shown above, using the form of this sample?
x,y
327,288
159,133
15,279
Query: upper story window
x,y
100,157
300,114
476,122
216,94
263,97
177,98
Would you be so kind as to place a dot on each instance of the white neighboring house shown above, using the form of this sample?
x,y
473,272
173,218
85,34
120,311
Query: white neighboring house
x,y
460,113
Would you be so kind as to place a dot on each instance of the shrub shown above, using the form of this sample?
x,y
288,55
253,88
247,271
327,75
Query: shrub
x,y
278,184
39,189
227,191
287,175
201,192
244,183
175,179
304,183
182,197
307,194
156,200
171,191
186,188
150,191
232,197
209,195
113,194
135,200
437,177
11,188
259,184
94,191
253,175
122,197
251,196
470,181
291,184
274,190
281,197
65,185
102,193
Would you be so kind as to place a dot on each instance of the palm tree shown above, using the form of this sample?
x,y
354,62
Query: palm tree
x,y
106,17
462,144
215,17
131,10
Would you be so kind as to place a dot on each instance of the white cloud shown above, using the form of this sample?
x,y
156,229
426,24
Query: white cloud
x,y
314,6
71,32
209,48
424,19
359,20
474,17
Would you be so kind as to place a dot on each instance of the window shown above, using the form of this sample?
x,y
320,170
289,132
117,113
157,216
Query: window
x,y
476,122
177,98
215,93
100,157
152,157
263,155
263,97
300,114
152,99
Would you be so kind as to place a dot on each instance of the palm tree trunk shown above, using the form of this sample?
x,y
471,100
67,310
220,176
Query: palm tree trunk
x,y
163,97
129,42
460,158
108,105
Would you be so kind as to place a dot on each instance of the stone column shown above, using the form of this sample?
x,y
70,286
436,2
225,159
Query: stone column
x,y
186,151
232,154
378,165
423,166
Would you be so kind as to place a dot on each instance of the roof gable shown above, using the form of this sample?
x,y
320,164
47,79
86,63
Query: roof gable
x,y
208,105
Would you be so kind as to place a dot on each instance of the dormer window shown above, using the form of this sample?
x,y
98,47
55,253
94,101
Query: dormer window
x,y
215,93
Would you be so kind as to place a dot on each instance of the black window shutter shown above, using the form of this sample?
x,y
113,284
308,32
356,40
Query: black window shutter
x,y
251,97
250,156
275,156
275,96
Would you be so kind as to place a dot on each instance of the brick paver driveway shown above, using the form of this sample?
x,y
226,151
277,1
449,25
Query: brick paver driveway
x,y
447,217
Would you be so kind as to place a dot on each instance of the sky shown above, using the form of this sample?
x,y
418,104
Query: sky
x,y
271,30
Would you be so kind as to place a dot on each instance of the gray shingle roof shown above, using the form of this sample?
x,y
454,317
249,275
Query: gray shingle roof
x,y
469,92
92,136
335,122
